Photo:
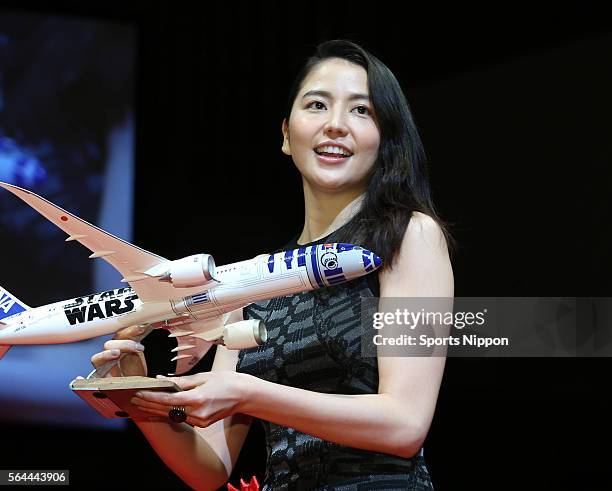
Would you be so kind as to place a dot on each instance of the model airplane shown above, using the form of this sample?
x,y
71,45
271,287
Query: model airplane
x,y
190,297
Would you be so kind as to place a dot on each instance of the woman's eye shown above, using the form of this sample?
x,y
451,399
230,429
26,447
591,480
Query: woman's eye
x,y
316,105
362,110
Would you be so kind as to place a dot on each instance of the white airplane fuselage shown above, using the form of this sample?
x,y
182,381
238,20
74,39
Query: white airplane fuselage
x,y
238,284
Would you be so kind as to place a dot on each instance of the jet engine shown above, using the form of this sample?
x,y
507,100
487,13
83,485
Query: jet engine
x,y
196,270
245,334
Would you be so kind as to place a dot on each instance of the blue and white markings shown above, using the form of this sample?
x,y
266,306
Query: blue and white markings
x,y
328,259
200,298
370,260
301,255
314,269
326,264
9,305
293,258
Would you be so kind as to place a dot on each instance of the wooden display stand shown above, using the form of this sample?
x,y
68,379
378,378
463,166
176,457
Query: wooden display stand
x,y
111,396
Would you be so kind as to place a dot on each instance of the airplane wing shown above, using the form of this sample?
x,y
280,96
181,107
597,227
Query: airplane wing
x,y
193,341
131,261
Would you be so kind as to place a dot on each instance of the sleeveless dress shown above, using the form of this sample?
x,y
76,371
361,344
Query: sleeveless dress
x,y
314,343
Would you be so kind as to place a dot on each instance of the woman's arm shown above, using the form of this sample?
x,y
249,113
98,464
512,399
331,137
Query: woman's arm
x,y
395,420
202,457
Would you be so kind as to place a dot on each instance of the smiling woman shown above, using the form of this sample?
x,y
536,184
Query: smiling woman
x,y
333,419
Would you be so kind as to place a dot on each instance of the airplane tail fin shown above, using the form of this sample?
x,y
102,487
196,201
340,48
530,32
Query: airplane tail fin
x,y
9,305
3,349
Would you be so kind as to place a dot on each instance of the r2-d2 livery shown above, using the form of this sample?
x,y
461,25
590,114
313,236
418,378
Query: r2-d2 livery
x,y
190,297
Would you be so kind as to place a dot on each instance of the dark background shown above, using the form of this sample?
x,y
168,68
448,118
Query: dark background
x,y
513,104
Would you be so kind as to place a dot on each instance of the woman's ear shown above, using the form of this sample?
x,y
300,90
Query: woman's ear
x,y
286,148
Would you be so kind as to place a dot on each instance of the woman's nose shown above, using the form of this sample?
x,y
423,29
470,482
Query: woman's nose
x,y
336,125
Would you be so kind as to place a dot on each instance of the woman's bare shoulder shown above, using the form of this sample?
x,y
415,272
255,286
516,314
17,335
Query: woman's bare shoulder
x,y
423,227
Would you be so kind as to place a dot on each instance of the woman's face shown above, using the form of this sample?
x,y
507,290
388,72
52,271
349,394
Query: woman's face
x,y
332,133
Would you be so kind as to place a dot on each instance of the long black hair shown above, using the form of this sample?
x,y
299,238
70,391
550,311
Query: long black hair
x,y
399,182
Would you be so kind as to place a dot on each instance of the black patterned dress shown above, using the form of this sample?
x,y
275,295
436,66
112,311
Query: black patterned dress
x,y
314,343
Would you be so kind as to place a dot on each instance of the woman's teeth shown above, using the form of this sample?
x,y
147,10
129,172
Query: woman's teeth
x,y
333,151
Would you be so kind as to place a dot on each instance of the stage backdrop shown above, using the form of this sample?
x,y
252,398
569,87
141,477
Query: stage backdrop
x,y
66,133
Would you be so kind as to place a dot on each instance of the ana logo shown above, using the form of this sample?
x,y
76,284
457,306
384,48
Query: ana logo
x,y
6,303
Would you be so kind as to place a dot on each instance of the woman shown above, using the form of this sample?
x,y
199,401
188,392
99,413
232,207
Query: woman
x,y
333,419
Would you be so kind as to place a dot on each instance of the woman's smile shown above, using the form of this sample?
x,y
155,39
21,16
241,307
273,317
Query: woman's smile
x,y
332,153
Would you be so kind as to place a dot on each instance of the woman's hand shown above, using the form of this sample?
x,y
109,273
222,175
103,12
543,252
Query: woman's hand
x,y
207,397
133,363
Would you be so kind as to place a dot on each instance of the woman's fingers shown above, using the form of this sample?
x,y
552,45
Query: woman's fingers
x,y
113,349
161,410
163,416
143,403
129,332
188,382
168,398
125,345
105,356
100,359
132,364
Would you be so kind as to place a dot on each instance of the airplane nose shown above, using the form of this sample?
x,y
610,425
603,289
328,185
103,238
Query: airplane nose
x,y
331,264
370,260
377,261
